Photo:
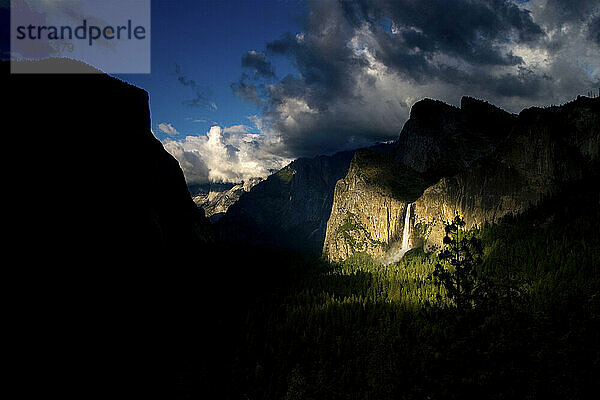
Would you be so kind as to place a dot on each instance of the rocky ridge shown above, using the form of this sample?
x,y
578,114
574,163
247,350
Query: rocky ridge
x,y
216,198
483,170
439,139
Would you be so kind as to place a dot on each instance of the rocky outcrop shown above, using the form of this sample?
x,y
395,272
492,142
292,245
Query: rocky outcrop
x,y
216,198
290,208
440,139
476,160
546,149
370,205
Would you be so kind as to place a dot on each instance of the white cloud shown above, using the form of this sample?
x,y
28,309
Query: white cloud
x,y
168,129
230,154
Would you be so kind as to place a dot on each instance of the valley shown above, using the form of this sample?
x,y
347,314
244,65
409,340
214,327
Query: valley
x,y
320,282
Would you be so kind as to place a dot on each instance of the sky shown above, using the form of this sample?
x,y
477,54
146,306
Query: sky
x,y
200,52
238,89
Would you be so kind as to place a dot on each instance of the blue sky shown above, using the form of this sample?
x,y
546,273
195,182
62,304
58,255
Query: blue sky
x,y
322,76
207,39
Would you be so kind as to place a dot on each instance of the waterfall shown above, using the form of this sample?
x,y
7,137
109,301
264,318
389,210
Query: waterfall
x,y
397,254
406,232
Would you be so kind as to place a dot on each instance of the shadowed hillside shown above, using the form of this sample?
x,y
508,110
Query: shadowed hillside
x,y
103,226
95,170
289,209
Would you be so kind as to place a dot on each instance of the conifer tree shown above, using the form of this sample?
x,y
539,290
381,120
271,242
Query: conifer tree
x,y
456,270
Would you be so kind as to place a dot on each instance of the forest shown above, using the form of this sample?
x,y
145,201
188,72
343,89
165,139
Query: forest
x,y
285,326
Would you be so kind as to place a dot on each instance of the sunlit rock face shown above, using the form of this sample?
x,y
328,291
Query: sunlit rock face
x,y
216,198
476,160
369,206
438,140
546,149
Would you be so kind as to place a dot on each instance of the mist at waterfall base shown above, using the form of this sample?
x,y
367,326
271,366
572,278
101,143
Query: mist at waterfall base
x,y
395,254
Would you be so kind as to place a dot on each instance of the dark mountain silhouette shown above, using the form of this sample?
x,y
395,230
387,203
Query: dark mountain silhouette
x,y
96,172
103,228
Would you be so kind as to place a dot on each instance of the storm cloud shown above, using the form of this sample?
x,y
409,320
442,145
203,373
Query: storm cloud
x,y
362,65
594,30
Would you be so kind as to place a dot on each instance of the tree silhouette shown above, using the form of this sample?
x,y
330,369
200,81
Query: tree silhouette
x,y
456,270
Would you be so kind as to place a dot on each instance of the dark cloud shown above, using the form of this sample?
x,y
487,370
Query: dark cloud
x,y
259,64
473,31
325,63
321,54
184,80
554,15
202,94
524,83
570,10
247,91
594,30
362,64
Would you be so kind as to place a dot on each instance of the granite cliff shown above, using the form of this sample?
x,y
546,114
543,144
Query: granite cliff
x,y
216,198
547,149
369,205
476,160
439,139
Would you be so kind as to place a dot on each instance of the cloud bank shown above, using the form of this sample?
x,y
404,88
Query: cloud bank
x,y
363,64
230,154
